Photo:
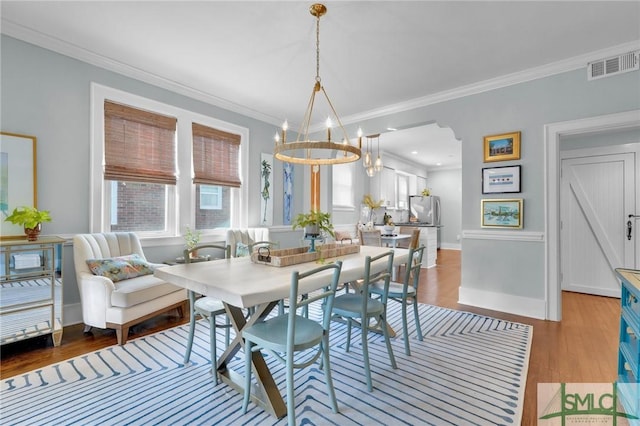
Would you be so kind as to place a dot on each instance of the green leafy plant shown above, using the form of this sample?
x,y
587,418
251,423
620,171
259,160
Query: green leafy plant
x,y
28,217
314,218
192,238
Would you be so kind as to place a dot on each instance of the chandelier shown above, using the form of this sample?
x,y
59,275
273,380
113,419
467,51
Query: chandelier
x,y
316,152
371,167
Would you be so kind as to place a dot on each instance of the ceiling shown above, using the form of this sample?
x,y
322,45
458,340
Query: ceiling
x,y
258,58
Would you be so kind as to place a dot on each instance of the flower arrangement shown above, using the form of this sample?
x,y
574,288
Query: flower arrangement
x,y
371,203
426,192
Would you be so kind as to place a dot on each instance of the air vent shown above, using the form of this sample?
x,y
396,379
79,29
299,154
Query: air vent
x,y
612,66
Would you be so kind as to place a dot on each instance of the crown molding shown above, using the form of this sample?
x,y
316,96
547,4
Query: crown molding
x,y
68,49
76,52
536,73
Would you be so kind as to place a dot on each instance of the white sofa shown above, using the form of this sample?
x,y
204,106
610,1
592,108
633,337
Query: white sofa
x,y
119,305
246,236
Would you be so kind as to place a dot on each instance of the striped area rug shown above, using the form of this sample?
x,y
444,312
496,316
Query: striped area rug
x,y
469,370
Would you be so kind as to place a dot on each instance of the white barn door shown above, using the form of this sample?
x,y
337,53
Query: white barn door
x,y
597,193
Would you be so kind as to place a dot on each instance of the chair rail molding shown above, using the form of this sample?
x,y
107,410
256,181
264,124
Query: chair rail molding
x,y
479,234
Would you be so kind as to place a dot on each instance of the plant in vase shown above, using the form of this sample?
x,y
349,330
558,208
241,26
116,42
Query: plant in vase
x,y
372,205
314,223
31,219
192,238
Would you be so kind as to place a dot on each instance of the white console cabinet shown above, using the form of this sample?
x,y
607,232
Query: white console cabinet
x,y
31,289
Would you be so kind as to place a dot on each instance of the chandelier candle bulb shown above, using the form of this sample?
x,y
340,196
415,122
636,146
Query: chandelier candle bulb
x,y
329,129
285,127
276,138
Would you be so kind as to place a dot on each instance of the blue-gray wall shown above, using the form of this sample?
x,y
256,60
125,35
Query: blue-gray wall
x,y
47,95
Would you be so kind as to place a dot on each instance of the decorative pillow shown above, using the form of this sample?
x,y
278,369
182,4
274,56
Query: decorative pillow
x,y
121,267
242,250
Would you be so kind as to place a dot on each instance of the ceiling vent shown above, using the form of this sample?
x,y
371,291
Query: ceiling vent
x,y
614,65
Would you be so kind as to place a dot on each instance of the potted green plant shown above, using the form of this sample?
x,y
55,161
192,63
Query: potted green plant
x,y
314,223
192,238
31,219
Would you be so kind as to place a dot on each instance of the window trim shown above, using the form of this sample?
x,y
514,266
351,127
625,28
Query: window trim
x,y
179,214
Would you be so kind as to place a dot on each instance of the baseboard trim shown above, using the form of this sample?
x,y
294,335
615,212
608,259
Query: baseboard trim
x,y
516,305
449,246
72,314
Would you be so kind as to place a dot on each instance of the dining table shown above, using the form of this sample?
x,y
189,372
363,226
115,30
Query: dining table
x,y
242,284
391,240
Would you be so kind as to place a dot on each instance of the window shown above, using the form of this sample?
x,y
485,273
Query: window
x,y
343,195
403,191
139,167
215,166
210,197
142,161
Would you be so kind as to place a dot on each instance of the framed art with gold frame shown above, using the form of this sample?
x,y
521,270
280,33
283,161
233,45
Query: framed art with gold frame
x,y
502,213
17,179
502,147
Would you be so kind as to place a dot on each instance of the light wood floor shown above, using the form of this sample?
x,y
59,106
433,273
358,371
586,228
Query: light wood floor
x,y
581,348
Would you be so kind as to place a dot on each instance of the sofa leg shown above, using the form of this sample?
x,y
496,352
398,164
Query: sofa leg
x,y
122,332
87,328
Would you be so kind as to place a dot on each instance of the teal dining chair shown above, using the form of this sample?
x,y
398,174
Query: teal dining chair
x,y
206,307
360,306
406,292
285,335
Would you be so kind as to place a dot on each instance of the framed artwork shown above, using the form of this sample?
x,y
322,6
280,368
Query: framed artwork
x,y
266,184
497,180
506,213
502,147
17,179
288,193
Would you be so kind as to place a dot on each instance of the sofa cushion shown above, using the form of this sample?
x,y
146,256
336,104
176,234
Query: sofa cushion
x,y
141,289
121,267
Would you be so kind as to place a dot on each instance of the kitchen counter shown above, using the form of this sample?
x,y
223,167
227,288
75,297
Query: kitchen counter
x,y
428,238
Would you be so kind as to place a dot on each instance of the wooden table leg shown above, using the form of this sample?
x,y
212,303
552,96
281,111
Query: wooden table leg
x,y
265,393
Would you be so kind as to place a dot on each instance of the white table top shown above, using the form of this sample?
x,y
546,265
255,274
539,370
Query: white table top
x,y
395,237
242,283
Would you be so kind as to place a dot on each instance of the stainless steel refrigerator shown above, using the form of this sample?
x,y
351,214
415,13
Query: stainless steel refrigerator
x,y
425,209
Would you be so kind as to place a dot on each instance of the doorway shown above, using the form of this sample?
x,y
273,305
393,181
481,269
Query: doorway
x,y
552,135
597,192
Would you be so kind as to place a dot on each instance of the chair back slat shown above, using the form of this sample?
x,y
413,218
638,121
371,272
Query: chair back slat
x,y
370,237
327,293
412,273
371,276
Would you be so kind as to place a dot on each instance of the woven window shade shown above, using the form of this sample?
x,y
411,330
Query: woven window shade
x,y
215,157
139,145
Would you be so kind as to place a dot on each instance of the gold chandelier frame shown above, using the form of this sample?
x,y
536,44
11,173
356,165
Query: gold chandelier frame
x,y
317,152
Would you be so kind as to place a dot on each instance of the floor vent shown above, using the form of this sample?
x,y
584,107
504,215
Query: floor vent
x,y
614,65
